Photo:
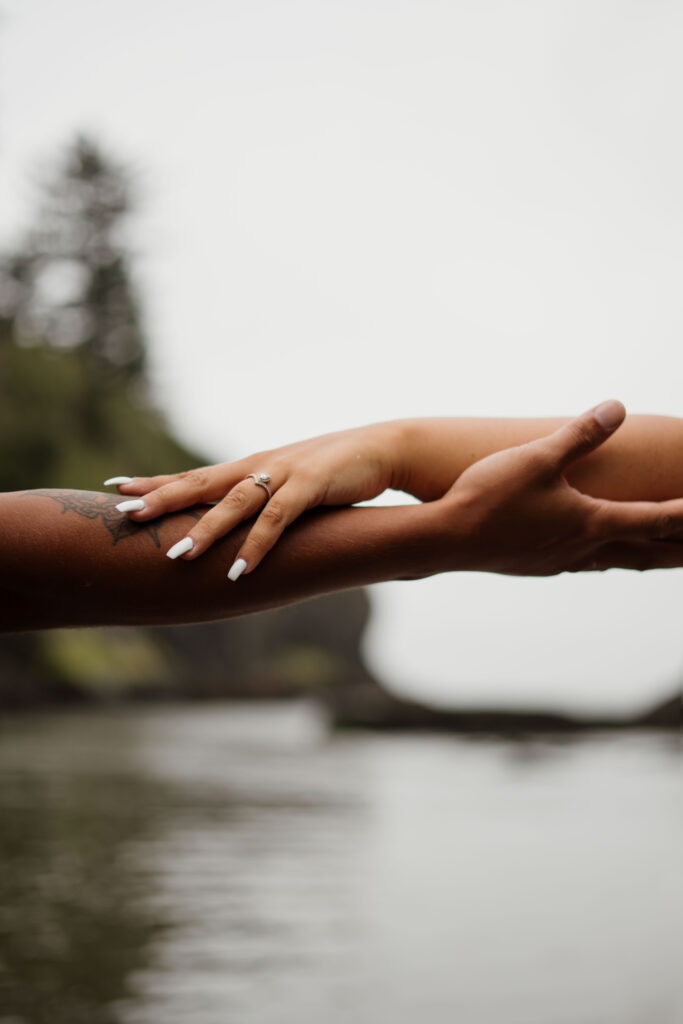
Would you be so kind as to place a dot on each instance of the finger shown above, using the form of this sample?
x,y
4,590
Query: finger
x,y
185,489
640,557
641,520
583,434
138,484
283,508
241,502
143,484
220,478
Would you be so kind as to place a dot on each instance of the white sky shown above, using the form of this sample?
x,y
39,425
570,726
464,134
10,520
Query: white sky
x,y
356,210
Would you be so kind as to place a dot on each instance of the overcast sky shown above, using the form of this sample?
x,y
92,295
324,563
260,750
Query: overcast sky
x,y
357,210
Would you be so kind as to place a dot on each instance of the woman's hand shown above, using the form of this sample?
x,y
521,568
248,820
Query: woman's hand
x,y
334,469
514,512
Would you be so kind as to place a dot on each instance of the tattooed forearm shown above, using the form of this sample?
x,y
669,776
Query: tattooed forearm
x,y
91,505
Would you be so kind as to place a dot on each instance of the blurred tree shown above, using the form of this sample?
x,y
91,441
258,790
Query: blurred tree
x,y
70,282
74,395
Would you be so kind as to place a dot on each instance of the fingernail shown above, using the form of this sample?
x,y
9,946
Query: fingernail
x,y
609,415
236,569
186,544
118,480
135,505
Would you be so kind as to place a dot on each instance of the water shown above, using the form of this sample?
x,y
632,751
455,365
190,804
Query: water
x,y
223,864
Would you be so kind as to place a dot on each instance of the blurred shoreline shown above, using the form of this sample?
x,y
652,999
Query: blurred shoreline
x,y
368,705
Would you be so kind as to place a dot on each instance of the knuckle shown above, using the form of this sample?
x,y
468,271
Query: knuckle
x,y
582,437
236,499
158,500
540,458
665,525
273,513
314,487
306,476
197,479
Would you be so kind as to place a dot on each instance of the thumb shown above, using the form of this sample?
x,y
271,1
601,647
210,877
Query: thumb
x,y
585,433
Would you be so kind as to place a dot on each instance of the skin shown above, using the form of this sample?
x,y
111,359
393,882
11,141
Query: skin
x,y
69,558
643,460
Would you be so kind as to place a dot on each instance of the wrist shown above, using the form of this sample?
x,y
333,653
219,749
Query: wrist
x,y
396,438
423,459
434,538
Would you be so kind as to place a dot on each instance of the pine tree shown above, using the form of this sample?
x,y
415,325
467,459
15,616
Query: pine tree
x,y
69,283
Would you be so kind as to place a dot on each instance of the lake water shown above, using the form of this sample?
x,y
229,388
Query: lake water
x,y
220,864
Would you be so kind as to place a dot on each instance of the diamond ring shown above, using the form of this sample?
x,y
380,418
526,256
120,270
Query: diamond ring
x,y
262,479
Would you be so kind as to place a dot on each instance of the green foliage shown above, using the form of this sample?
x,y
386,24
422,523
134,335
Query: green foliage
x,y
52,436
70,280
104,661
308,666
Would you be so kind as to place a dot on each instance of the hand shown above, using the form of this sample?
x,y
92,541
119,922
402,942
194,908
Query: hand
x,y
515,513
334,469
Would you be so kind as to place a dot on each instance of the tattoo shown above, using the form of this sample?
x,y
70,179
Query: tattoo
x,y
91,505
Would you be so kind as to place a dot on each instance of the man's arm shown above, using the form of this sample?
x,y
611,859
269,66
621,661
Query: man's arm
x,y
69,558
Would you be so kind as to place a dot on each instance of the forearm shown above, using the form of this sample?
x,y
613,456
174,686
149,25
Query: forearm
x,y
68,558
642,461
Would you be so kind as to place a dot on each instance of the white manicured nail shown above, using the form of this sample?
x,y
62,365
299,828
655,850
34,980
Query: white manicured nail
x,y
118,480
186,544
236,569
135,505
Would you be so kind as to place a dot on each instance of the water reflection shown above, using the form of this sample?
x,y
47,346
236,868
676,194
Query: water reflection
x,y
75,920
239,864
